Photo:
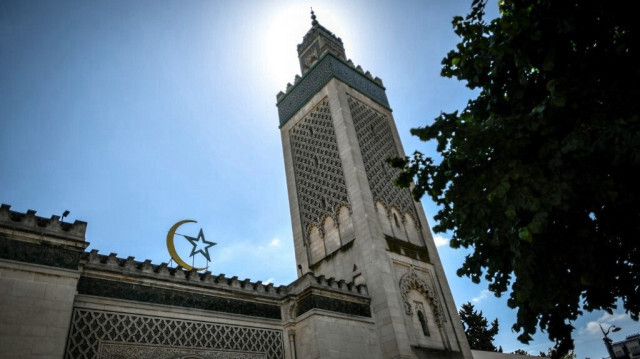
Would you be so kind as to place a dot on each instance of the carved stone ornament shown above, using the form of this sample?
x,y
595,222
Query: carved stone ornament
x,y
293,307
377,144
104,334
412,281
322,190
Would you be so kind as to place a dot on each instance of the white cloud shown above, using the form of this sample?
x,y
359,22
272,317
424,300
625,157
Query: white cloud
x,y
484,294
255,260
593,327
275,242
440,240
269,281
613,317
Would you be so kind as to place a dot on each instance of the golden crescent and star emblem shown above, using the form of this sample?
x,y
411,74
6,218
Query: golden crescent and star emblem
x,y
200,245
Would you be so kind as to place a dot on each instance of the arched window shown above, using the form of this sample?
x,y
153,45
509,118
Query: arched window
x,y
395,218
423,323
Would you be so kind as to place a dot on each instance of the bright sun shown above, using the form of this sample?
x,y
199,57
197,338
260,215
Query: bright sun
x,y
284,31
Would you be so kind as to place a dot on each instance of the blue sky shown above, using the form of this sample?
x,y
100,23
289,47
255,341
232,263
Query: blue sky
x,y
134,115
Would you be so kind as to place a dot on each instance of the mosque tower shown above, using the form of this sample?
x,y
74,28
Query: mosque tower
x,y
349,221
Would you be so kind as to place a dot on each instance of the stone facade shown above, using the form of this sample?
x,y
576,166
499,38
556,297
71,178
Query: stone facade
x,y
627,348
352,223
39,259
61,302
370,283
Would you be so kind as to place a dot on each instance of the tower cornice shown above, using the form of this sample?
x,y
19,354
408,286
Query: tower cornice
x,y
329,66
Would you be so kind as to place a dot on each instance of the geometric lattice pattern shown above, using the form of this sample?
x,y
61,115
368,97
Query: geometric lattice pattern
x,y
91,328
317,167
377,144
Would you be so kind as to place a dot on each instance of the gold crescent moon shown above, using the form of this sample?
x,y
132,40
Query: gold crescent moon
x,y
172,248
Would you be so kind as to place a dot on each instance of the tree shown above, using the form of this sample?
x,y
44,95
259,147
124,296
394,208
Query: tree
x,y
476,327
520,352
539,173
551,353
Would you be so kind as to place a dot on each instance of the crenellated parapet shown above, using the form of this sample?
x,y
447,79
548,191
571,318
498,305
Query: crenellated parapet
x,y
321,71
96,263
29,222
46,242
27,238
39,272
311,292
110,276
310,280
349,62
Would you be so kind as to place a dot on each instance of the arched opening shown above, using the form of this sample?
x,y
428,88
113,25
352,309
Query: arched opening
x,y
423,323
411,281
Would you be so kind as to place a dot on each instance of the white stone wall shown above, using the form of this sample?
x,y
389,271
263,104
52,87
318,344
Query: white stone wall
x,y
368,260
321,334
35,309
247,337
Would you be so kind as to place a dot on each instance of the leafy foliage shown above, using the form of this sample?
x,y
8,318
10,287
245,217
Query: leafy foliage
x,y
540,173
551,353
476,327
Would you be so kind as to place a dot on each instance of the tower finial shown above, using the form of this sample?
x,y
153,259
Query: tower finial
x,y
314,22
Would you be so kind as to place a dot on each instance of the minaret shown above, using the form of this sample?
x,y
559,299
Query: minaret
x,y
349,221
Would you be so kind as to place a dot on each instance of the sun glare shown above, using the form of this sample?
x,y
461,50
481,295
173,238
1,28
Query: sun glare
x,y
285,30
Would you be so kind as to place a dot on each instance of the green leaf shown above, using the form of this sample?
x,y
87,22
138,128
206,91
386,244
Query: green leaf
x,y
510,213
535,175
525,234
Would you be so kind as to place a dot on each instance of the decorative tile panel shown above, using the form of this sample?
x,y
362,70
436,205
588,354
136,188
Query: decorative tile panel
x,y
151,294
93,330
377,144
318,169
38,253
319,75
332,304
